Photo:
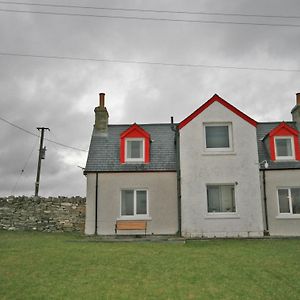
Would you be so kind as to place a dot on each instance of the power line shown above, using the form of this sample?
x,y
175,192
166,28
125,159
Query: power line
x,y
148,62
152,10
152,19
36,135
23,169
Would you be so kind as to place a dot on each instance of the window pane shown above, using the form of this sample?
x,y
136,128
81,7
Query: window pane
x,y
141,202
213,198
295,193
127,203
134,149
283,196
284,147
227,200
220,198
217,136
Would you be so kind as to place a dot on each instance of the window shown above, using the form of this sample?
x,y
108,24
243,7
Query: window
x,y
134,203
289,200
284,147
134,150
218,137
220,198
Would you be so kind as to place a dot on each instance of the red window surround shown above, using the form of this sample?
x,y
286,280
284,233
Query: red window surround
x,y
135,131
284,130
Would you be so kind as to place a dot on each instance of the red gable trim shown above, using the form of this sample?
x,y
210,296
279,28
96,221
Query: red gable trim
x,y
216,98
284,130
135,131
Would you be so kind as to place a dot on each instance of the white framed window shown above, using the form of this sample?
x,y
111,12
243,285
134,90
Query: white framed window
x,y
218,136
134,203
289,200
134,150
284,147
220,198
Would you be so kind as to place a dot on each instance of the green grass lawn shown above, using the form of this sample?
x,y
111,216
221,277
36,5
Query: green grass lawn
x,y
62,266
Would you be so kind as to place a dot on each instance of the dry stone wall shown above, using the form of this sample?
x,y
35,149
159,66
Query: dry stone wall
x,y
42,214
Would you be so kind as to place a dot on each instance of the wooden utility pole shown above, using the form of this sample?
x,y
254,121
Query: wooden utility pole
x,y
41,156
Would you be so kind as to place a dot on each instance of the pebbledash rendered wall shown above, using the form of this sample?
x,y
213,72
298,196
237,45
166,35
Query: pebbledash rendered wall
x,y
238,167
42,214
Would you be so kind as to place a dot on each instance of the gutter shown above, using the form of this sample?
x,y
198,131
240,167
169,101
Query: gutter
x,y
177,145
266,231
96,205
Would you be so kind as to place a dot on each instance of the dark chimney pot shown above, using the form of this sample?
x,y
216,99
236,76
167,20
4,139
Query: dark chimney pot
x,y
101,99
298,99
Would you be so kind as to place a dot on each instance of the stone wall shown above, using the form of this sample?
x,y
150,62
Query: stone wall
x,y
42,214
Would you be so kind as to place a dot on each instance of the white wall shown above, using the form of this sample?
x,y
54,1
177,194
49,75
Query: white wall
x,y
278,224
90,204
162,197
199,168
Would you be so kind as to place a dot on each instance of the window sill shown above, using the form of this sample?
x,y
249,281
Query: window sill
x,y
207,153
222,216
285,159
288,216
135,218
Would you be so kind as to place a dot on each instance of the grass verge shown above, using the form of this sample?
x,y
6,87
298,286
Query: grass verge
x,y
37,265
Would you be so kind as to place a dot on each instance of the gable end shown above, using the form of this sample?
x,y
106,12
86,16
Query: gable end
x,y
216,98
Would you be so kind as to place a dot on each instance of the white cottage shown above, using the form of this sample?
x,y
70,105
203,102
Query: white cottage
x,y
220,185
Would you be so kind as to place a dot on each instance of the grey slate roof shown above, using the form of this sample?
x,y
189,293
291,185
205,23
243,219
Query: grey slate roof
x,y
262,130
104,152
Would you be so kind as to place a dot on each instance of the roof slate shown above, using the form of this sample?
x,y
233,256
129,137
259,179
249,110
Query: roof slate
x,y
104,152
263,129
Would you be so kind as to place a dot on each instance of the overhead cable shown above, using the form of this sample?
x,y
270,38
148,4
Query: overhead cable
x,y
151,19
36,135
151,10
153,63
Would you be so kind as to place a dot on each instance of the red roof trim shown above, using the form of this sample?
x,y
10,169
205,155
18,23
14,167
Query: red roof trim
x,y
216,98
281,126
135,131
284,129
135,127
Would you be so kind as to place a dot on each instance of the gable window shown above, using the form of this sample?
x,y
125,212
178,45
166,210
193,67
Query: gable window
x,y
289,200
134,203
284,147
220,198
134,150
284,143
218,137
135,145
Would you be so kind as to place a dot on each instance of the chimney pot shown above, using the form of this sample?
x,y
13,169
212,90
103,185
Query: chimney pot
x,y
101,99
298,99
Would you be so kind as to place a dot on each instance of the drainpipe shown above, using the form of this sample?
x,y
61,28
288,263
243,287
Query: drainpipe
x,y
266,232
96,206
177,145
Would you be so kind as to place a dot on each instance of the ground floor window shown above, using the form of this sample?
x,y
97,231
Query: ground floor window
x,y
134,202
220,198
289,200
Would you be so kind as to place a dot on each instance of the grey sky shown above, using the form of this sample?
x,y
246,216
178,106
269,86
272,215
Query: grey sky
x,y
62,94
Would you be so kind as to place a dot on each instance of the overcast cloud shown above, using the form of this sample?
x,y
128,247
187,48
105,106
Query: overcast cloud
x,y
62,94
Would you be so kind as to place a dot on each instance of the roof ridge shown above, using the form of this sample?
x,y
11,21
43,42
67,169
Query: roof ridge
x,y
275,122
145,124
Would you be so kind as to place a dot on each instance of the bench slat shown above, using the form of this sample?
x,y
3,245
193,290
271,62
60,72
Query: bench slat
x,y
131,225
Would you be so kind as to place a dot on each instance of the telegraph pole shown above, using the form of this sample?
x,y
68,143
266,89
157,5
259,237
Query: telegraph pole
x,y
41,156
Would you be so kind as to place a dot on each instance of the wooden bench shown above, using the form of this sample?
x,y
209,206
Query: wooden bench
x,y
130,225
